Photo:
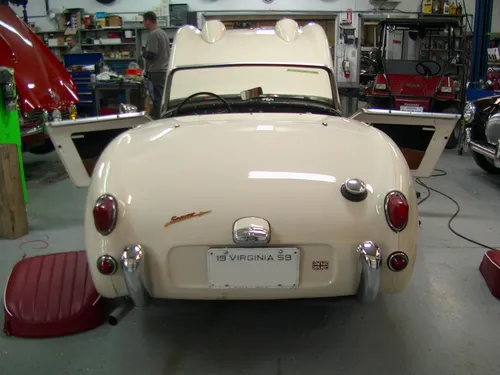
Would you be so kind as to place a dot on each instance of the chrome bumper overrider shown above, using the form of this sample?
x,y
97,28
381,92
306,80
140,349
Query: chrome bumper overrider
x,y
32,131
132,263
489,151
370,258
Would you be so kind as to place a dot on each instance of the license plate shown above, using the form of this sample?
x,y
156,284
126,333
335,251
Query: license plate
x,y
253,268
408,108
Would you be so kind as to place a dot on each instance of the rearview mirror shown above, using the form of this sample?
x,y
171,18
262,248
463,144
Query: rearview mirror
x,y
252,93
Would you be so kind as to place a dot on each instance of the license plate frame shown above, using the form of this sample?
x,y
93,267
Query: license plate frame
x,y
235,272
411,108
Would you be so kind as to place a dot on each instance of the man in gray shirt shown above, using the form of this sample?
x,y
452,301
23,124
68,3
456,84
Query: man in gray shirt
x,y
156,54
73,45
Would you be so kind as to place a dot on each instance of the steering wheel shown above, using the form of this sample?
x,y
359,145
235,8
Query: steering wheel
x,y
177,111
426,69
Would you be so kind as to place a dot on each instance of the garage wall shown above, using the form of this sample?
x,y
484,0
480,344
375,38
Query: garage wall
x,y
294,5
36,8
495,26
128,9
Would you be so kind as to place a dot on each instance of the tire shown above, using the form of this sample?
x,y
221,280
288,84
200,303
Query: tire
x,y
484,163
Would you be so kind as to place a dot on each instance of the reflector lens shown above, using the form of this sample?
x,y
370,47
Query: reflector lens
x,y
106,265
397,261
105,214
396,210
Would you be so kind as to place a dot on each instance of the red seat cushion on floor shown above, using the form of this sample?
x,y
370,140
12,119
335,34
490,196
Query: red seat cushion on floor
x,y
51,295
490,269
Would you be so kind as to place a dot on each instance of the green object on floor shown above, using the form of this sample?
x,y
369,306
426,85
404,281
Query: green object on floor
x,y
10,131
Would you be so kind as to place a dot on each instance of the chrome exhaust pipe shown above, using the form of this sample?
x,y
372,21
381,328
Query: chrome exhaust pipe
x,y
120,312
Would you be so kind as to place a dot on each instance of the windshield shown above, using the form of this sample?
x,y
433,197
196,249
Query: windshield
x,y
411,50
230,81
401,44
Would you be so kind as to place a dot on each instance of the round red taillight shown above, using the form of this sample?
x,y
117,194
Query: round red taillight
x,y
396,210
105,212
397,261
107,265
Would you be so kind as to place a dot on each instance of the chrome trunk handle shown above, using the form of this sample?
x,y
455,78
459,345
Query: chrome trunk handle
x,y
251,231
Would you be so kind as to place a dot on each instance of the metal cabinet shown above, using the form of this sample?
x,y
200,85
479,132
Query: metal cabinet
x,y
82,79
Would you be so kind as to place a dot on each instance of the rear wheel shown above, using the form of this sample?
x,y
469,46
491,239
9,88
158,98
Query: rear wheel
x,y
455,134
484,163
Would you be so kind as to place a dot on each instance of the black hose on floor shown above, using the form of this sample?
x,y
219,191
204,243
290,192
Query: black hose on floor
x,y
430,189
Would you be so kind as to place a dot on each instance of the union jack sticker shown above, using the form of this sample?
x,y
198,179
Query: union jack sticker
x,y
320,265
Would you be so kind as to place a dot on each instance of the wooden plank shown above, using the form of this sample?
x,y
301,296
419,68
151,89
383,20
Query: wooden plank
x,y
13,217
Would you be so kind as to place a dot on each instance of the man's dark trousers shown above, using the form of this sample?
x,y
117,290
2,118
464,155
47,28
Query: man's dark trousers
x,y
156,84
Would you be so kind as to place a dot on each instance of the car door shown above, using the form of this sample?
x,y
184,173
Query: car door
x,y
420,136
80,142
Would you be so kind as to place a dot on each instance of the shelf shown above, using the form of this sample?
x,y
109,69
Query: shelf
x,y
119,59
116,28
442,50
440,15
105,45
133,44
50,32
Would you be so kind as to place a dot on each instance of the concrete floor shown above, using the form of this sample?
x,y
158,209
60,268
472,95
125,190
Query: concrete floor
x,y
446,323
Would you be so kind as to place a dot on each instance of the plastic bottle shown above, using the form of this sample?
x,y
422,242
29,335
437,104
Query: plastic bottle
x,y
453,8
446,8
427,6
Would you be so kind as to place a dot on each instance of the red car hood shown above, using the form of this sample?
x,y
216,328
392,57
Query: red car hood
x,y
42,81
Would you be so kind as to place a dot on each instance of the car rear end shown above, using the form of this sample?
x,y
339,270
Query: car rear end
x,y
221,219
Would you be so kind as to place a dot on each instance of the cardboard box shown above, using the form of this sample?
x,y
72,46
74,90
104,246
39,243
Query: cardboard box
x,y
61,20
64,20
70,31
115,21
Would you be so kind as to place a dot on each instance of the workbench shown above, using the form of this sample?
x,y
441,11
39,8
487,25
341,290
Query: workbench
x,y
102,90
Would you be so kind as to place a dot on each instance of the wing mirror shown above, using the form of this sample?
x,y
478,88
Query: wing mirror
x,y
252,93
127,108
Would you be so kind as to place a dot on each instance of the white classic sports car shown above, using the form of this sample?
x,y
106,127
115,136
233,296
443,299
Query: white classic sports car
x,y
252,185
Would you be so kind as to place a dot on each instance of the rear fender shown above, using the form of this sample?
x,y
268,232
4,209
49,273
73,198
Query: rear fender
x,y
421,136
79,143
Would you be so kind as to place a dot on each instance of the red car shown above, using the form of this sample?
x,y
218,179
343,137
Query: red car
x,y
45,88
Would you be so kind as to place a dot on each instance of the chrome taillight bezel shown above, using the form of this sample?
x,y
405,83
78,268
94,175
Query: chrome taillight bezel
x,y
99,202
386,210
392,256
109,258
